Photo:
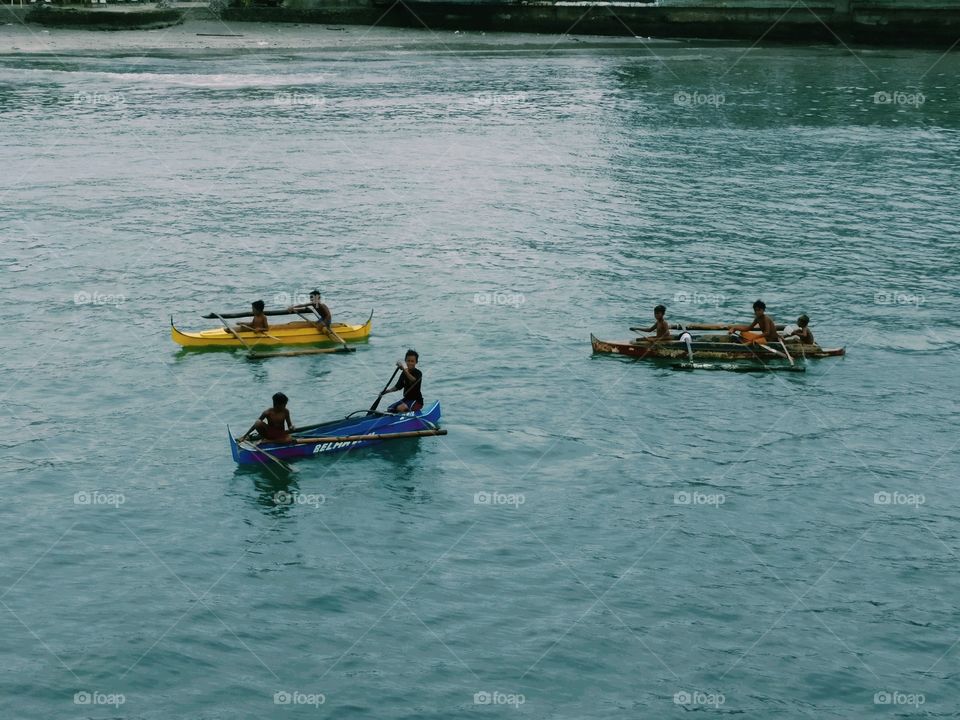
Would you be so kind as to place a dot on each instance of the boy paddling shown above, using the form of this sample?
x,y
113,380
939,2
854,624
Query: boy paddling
x,y
410,382
763,322
259,323
803,333
315,305
274,424
660,325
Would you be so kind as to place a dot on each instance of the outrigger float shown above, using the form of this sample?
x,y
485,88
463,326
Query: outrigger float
x,y
695,352
352,432
302,332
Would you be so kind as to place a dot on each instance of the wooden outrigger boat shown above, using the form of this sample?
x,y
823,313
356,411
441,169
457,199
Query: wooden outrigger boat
x,y
292,333
709,347
354,431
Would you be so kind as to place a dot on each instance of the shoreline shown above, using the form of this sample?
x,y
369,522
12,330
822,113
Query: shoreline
x,y
212,36
205,37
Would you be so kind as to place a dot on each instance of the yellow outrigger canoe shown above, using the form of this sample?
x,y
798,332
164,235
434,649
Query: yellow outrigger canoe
x,y
291,333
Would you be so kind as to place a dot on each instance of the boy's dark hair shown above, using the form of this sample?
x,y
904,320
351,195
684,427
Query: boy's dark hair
x,y
315,293
258,305
759,305
660,308
413,352
803,321
280,400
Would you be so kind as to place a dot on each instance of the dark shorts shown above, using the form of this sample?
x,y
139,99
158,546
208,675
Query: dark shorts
x,y
411,405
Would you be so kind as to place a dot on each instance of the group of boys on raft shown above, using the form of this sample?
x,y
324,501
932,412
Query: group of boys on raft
x,y
275,424
761,321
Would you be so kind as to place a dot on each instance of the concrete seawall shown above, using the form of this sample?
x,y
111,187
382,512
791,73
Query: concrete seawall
x,y
917,23
883,22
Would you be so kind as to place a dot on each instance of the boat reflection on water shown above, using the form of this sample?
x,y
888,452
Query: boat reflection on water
x,y
276,486
394,466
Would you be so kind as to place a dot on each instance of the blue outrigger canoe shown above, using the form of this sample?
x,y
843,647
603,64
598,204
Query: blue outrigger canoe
x,y
354,431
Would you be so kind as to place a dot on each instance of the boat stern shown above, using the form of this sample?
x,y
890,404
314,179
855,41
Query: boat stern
x,y
430,414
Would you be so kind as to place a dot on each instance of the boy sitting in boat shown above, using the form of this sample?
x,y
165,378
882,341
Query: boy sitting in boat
x,y
315,306
763,322
259,323
410,382
273,423
660,325
803,333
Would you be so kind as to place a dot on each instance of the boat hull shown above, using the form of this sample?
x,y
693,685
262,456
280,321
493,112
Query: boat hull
x,y
293,333
380,424
714,349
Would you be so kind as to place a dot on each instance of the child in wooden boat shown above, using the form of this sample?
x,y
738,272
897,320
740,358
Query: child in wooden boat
x,y
259,323
322,310
410,382
273,423
763,322
660,325
803,333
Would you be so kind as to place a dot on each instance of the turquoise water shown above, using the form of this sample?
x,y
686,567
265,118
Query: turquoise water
x,y
658,543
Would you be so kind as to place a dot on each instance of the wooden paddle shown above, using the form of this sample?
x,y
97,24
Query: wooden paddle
x,y
234,333
769,349
320,326
373,408
264,333
242,342
254,448
330,330
786,352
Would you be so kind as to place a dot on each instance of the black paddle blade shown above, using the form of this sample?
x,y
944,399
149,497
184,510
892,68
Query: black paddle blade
x,y
373,408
